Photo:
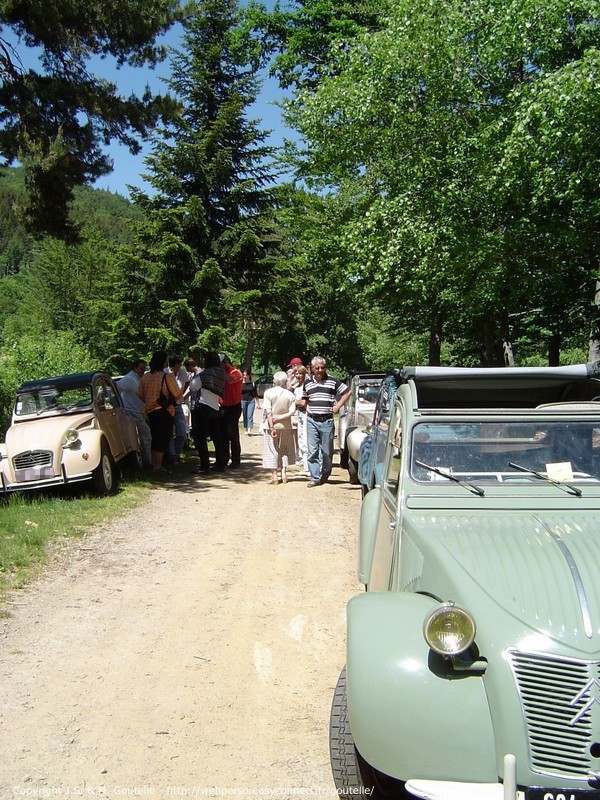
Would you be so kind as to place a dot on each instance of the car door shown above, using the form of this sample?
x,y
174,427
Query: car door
x,y
386,543
125,424
381,424
108,412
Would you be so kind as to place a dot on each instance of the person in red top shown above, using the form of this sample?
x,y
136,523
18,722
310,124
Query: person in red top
x,y
231,409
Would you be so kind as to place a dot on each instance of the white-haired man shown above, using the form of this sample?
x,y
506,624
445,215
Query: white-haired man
x,y
323,396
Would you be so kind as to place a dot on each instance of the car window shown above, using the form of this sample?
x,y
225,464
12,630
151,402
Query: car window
x,y
111,399
101,394
392,477
52,400
382,409
490,450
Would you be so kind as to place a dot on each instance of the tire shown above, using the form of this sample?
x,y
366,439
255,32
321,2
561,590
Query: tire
x,y
352,471
344,458
352,775
104,477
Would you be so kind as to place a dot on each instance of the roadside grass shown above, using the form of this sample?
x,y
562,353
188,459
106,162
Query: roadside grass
x,y
29,523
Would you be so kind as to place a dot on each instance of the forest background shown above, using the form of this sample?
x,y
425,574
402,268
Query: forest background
x,y
438,202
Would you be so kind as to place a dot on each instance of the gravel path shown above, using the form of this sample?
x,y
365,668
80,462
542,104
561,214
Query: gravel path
x,y
188,649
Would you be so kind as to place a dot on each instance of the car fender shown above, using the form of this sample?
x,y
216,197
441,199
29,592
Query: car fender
x,y
369,518
84,456
354,437
410,715
363,459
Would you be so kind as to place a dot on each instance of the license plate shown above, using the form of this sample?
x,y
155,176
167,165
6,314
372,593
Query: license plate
x,y
539,793
34,474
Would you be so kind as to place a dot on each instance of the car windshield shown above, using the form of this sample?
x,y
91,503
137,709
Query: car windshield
x,y
504,451
51,400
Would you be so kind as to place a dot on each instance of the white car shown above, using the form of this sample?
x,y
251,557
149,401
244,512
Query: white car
x,y
354,418
68,429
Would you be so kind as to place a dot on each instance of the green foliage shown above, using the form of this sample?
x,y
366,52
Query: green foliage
x,y
303,35
52,286
56,117
462,145
385,344
33,355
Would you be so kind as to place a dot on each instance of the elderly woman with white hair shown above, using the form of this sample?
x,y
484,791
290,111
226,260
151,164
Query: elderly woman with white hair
x,y
279,406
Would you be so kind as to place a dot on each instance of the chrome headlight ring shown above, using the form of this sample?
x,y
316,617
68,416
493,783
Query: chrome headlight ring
x,y
449,630
71,437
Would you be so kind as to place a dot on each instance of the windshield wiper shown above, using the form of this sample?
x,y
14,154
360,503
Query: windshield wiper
x,y
566,487
470,486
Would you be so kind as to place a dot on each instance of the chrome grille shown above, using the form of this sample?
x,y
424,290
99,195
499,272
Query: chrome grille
x,y
33,458
558,697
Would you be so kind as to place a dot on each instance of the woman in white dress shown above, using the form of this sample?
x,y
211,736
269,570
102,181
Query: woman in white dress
x,y
279,407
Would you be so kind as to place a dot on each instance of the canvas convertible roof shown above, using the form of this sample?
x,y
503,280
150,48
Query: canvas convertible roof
x,y
502,387
61,382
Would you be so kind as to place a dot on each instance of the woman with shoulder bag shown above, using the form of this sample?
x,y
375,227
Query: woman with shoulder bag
x,y
160,392
278,441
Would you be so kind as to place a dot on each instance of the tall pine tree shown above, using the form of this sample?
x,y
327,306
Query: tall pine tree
x,y
203,255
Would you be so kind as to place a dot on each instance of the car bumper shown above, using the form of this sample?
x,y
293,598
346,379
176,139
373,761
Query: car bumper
x,y
41,483
454,790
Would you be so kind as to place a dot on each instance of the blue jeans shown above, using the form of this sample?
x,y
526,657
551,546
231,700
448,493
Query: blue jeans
x,y
319,435
248,413
176,445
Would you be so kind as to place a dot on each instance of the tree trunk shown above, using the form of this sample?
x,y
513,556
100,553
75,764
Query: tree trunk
x,y
488,344
507,348
594,344
554,350
509,356
247,365
435,341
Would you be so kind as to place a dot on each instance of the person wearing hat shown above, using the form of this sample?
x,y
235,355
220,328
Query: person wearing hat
x,y
295,362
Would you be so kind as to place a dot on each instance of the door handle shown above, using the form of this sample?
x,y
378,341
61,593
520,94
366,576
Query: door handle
x,y
392,525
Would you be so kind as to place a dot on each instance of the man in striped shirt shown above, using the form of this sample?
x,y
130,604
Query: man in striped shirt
x,y
322,397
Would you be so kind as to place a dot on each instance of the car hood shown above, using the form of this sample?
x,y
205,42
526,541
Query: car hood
x,y
43,433
539,567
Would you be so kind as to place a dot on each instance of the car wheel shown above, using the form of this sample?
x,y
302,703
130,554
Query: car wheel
x,y
351,773
352,470
104,477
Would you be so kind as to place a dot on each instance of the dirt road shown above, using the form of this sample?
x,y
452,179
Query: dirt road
x,y
190,649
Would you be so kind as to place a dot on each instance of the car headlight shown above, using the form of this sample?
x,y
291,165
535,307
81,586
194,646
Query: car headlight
x,y
449,630
71,436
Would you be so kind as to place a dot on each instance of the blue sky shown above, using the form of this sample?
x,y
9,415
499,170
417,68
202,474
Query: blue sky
x,y
127,167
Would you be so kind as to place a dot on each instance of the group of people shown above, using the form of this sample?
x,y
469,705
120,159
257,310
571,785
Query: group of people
x,y
308,397
167,396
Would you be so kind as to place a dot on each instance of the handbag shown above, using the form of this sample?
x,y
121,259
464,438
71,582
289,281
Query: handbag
x,y
165,402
